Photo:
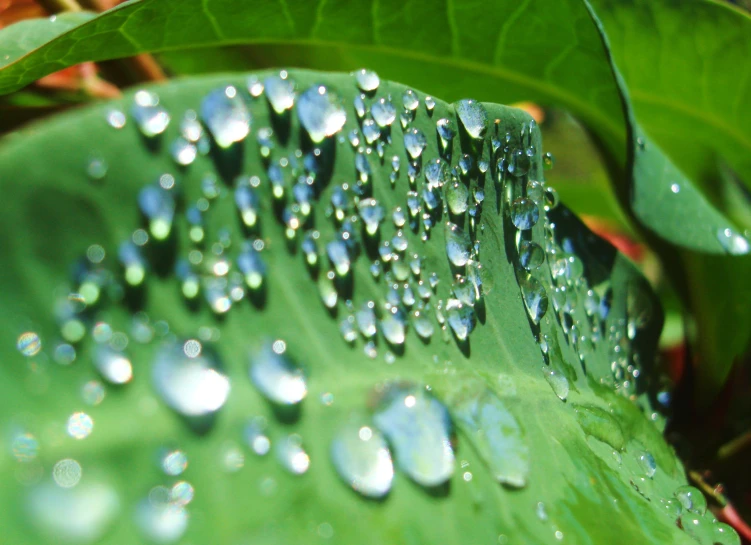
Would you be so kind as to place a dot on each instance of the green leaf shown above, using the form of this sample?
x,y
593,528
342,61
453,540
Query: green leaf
x,y
499,53
571,467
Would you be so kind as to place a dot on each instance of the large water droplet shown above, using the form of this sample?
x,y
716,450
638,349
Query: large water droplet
x,y
473,116
367,80
372,214
383,112
152,119
724,534
460,317
691,499
457,197
458,244
394,325
418,427
280,91
494,432
699,528
415,142
190,381
320,113
158,205
531,255
558,383
535,297
81,514
734,243
524,213
363,460
437,173
277,376
226,115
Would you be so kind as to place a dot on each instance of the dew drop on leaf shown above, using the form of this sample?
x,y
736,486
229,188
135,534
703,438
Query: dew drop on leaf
x,y
150,117
226,115
280,92
558,383
524,213
473,116
320,113
418,427
363,460
192,384
280,379
367,80
457,244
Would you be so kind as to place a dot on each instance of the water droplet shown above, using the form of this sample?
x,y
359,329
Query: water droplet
x,y
422,324
367,80
292,455
158,205
370,131
67,473
524,213
418,427
190,128
362,458
457,196
691,499
183,152
280,91
255,436
531,255
24,447
80,425
415,142
277,376
458,244
446,129
724,534
327,289
647,463
161,520
494,432
410,100
558,383
372,214
174,462
675,188
182,493
113,365
226,115
699,528
133,262
116,118
29,344
97,167
732,242
251,266
247,204
151,118
473,116
383,112
192,386
366,320
460,317
480,277
429,104
548,161
535,297
81,514
394,325
339,256
320,113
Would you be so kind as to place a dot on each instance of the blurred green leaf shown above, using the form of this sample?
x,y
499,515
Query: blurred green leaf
x,y
586,478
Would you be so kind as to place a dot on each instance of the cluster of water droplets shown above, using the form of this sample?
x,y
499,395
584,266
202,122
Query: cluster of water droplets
x,y
346,233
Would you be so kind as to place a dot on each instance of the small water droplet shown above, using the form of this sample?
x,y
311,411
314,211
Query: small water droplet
x,y
327,289
251,266
531,255
383,112
363,460
372,214
410,100
29,344
161,520
158,205
277,376
460,317
67,473
173,462
394,325
647,463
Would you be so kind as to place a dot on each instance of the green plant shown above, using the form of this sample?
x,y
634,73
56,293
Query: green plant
x,y
245,240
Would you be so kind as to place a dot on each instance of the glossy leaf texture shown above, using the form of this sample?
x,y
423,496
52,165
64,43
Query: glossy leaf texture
x,y
203,343
498,52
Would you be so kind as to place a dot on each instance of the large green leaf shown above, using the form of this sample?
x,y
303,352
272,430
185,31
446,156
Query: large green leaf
x,y
499,52
577,469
